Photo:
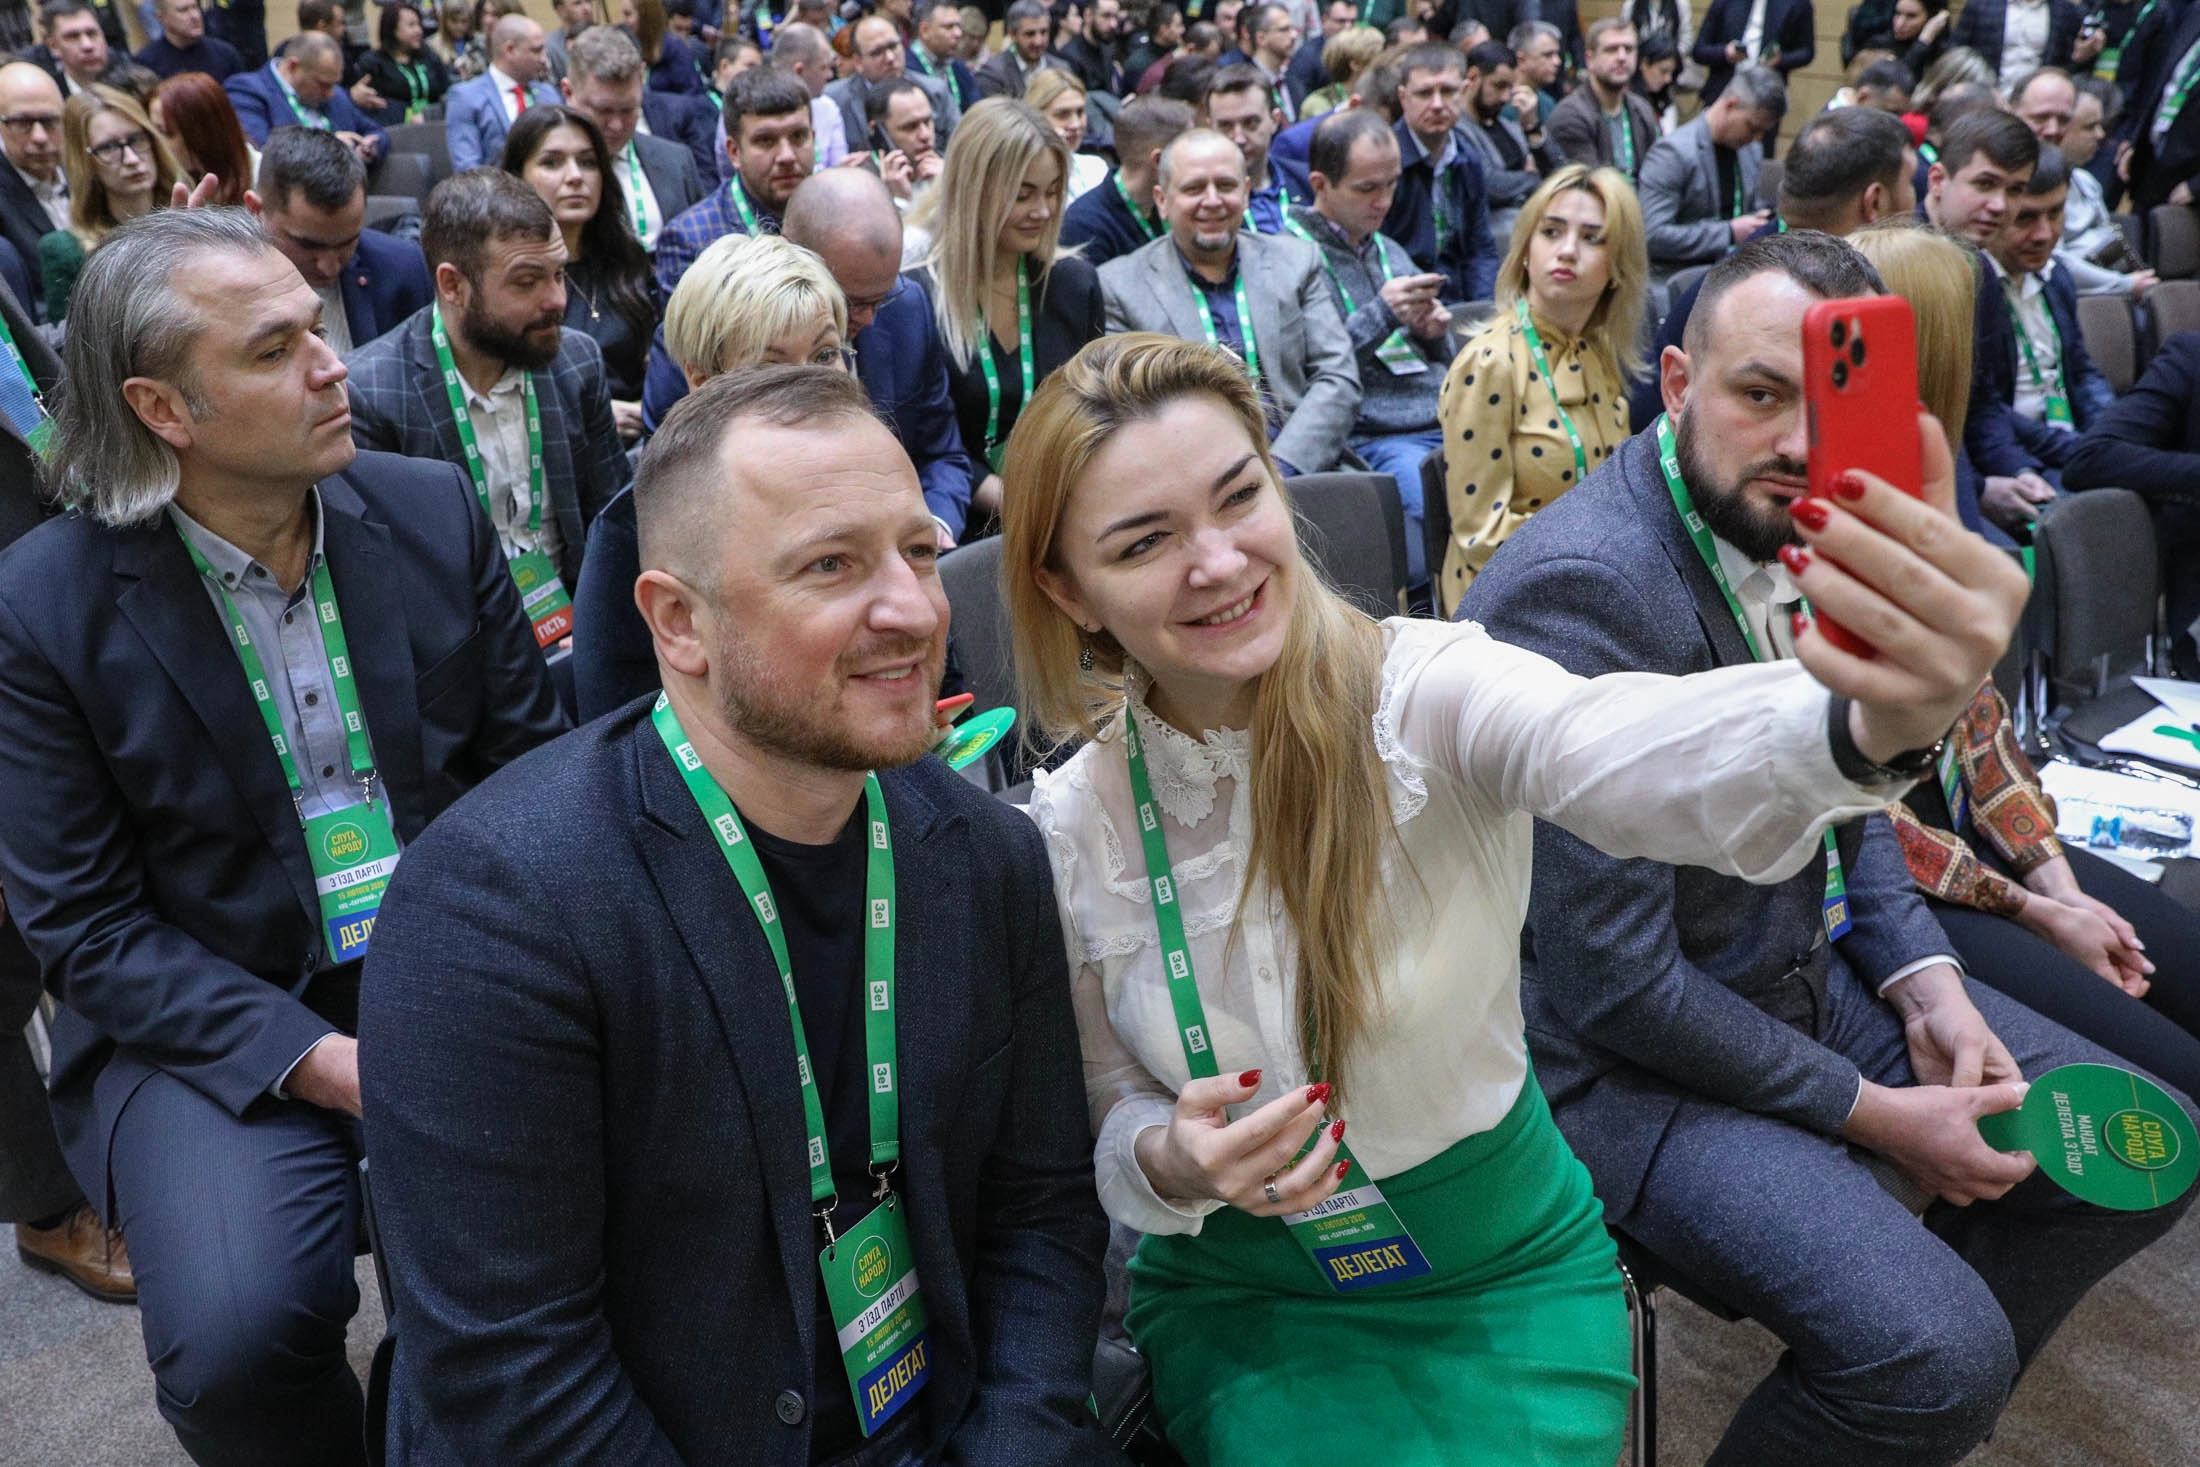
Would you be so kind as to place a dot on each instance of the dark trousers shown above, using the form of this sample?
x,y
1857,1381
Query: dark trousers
x,y
242,1234
2177,529
1904,1335
2156,1033
34,1180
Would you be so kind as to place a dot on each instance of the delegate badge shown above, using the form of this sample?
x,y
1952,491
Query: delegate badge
x,y
871,1285
2105,1135
542,596
353,851
1397,354
1354,1237
970,740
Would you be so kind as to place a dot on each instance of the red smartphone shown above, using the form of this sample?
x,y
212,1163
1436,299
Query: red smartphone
x,y
1860,388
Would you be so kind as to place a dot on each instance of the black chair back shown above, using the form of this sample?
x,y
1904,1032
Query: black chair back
x,y
1353,525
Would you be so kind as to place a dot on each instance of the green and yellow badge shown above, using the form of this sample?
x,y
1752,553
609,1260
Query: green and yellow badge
x,y
2104,1135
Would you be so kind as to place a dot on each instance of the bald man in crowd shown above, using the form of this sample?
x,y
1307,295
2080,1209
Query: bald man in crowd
x,y
478,113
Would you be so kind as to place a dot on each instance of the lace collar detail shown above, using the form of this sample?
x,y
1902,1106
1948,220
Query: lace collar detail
x,y
1184,770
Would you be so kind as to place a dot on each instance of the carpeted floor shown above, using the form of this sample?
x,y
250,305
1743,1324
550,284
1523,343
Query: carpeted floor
x,y
2119,1387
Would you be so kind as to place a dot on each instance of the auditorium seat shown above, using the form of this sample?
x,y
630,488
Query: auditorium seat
x,y
2175,231
2111,337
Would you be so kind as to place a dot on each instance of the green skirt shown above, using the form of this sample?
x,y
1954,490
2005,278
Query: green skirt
x,y
1514,1350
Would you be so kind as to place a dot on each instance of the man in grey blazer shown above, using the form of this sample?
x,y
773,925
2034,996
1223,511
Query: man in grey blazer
x,y
495,249
1699,186
603,82
1765,1081
1192,281
881,59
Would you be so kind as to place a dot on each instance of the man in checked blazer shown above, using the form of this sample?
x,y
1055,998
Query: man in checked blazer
x,y
1984,26
495,251
1763,1104
1187,282
578,1059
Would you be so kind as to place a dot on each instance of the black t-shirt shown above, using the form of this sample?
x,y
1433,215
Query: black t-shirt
x,y
819,893
1727,164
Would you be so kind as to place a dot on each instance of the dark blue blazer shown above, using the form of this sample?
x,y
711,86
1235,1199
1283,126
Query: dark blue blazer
x,y
1468,259
573,1024
23,222
1293,146
1983,22
691,122
2157,169
1789,24
262,107
903,365
2148,440
1990,436
1305,74
212,55
1639,985
386,281
960,78
15,273
23,501
1102,227
2045,446
678,69
151,854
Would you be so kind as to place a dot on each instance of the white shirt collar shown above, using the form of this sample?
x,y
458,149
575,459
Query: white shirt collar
x,y
1758,584
505,386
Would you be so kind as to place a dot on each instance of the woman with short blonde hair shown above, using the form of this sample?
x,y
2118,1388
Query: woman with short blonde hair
x,y
1537,399
1010,310
1344,56
755,298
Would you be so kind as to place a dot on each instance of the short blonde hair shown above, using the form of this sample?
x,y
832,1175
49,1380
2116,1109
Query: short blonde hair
x,y
743,293
1347,53
1615,327
1937,275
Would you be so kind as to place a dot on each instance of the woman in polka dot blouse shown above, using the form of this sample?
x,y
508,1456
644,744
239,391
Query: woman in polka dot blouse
x,y
1537,400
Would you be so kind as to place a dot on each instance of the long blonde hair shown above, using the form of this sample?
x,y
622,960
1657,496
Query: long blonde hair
x,y
1320,807
1615,327
995,143
90,218
1936,275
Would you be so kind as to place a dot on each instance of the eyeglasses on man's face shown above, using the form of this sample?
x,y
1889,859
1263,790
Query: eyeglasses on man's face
x,y
23,124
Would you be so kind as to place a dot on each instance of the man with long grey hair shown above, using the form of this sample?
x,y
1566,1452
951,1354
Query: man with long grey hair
x,y
233,687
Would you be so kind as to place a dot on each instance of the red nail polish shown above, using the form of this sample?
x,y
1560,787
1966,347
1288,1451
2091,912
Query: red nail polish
x,y
1342,1168
1249,1080
1798,624
1849,484
1336,1132
1809,513
1795,558
1317,1094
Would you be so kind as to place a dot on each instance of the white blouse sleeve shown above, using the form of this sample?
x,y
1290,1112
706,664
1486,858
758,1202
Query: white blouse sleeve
x,y
1728,769
1123,1099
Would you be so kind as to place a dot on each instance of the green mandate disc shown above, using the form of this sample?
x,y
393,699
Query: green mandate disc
x,y
968,743
2105,1136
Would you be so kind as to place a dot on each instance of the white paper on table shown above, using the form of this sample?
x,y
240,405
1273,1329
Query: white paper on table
x,y
2180,698
2179,746
2071,785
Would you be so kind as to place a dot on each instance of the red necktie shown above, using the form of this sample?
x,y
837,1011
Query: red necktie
x,y
519,95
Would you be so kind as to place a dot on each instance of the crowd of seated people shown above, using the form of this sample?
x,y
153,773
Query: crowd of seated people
x,y
630,454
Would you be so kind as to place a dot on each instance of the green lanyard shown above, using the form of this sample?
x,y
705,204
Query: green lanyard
x,y
1623,139
739,193
1354,1238
317,121
416,87
1244,315
878,960
1928,152
2188,73
634,187
994,448
1146,227
2057,400
40,436
1836,905
1550,380
1397,353
1382,261
1738,210
916,54
2110,60
339,667
465,422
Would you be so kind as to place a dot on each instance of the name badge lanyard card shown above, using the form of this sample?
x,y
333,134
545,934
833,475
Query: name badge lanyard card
x,y
1396,352
1355,1238
995,447
1146,227
39,433
352,850
738,192
416,89
1623,139
2057,399
542,594
869,1272
1550,380
1836,904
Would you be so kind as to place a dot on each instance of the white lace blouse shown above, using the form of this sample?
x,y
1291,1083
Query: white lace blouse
x,y
1728,769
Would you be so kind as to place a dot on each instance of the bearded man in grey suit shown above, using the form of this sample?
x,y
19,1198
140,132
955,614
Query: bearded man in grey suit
x,y
1206,276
